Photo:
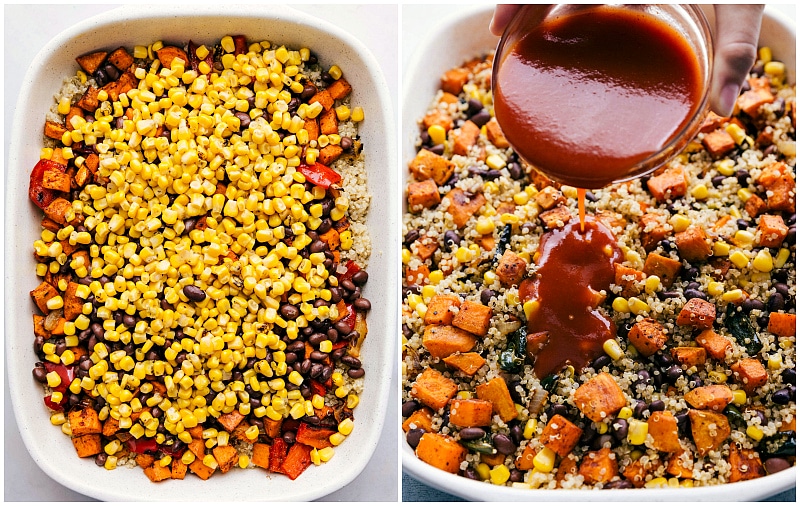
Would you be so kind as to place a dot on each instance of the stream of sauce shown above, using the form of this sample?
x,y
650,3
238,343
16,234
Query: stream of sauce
x,y
575,263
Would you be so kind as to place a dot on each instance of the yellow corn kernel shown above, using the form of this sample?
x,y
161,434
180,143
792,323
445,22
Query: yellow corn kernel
x,y
638,306
782,257
763,261
492,188
775,69
625,413
530,307
744,194
658,482
436,276
637,432
715,288
732,295
612,348
680,222
602,427
700,191
774,362
530,429
499,474
352,400
717,377
346,426
620,305
406,256
755,433
489,277
721,249
736,132
483,470
521,198
739,259
765,54
437,133
53,380
739,397
744,239
545,460
652,283
337,438
58,418
357,114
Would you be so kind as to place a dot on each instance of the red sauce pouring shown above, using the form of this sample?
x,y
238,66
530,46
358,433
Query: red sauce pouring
x,y
573,266
586,96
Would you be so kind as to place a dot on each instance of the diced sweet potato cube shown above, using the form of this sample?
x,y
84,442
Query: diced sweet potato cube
x,y
463,205
670,184
178,469
653,229
158,473
418,275
437,117
454,80
198,447
750,373
548,197
568,466
637,471
473,317
329,122
260,455
89,101
711,122
92,61
772,231
467,363
42,294
560,435
38,327
663,267
689,356
448,98
226,456
755,206
73,305
426,246
312,127
626,278
324,98
56,180
781,194
680,464
339,89
427,164
420,419
496,391
169,53
511,269
433,389
84,422
54,130
439,309
240,433
441,451
718,143
782,324
465,137
470,412
443,341
693,244
423,194
145,460
647,336
709,430
697,313
329,154
599,466
332,238
495,134
57,210
745,464
230,420
771,173
750,102
556,217
110,427
200,469
712,397
87,445
714,344
599,397
525,460
121,59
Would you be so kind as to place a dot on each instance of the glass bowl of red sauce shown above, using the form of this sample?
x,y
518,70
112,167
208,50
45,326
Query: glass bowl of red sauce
x,y
592,95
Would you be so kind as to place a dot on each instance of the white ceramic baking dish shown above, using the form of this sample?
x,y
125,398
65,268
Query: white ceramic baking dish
x,y
466,34
52,451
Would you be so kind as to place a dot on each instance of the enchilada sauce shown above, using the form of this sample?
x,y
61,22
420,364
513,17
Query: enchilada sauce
x,y
575,263
586,96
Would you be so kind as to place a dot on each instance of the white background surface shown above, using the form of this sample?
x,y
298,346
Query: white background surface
x,y
26,30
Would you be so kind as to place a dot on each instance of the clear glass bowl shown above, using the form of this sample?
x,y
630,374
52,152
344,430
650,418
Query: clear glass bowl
x,y
688,20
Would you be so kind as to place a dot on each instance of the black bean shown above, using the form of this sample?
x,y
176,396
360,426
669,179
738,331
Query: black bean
x,y
413,436
762,321
504,444
515,432
673,373
748,305
289,437
437,149
291,358
742,176
348,285
717,180
101,77
656,406
194,293
38,343
625,329
781,397
693,285
362,304
515,171
691,273
342,327
451,239
683,421
424,138
481,118
619,428
662,358
600,441
100,459
601,362
336,294
40,374
309,91
775,465
658,377
791,236
346,143
486,296
473,106
317,246
360,278
411,236
694,293
289,311
776,302
356,372
742,224
782,289
316,370
668,294
792,219
129,321
556,409
408,407
471,474
471,433
292,105
516,475
789,376
325,226
643,380
620,484
244,119
98,331
780,275
318,356
305,366
588,434
407,331
639,407
352,362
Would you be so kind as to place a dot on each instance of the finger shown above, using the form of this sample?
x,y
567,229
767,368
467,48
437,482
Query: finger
x,y
502,16
738,27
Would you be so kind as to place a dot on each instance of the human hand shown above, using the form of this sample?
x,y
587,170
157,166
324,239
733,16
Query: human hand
x,y
737,30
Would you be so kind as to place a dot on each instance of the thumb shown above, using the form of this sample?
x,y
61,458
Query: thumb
x,y
737,27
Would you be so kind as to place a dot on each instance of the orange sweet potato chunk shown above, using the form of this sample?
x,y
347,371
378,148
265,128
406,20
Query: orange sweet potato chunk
x,y
440,309
714,344
443,341
714,397
465,138
599,397
473,317
718,143
647,336
626,278
693,245
745,464
663,427
771,231
423,194
87,445
463,206
709,430
599,466
496,391
420,419
665,268
441,451
468,363
454,80
750,373
433,389
782,324
511,269
670,184
697,313
689,356
560,435
470,412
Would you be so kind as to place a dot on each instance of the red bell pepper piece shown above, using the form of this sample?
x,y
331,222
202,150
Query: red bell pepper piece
x,y
290,425
340,344
239,44
52,405
41,196
297,460
67,374
313,436
277,455
317,387
320,175
350,320
142,445
352,269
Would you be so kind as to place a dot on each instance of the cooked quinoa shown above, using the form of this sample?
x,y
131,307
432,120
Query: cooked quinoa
x,y
735,192
202,256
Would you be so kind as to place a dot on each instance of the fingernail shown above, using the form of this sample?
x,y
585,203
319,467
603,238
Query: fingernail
x,y
727,97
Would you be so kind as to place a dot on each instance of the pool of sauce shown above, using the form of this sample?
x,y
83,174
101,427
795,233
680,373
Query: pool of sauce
x,y
586,96
573,265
